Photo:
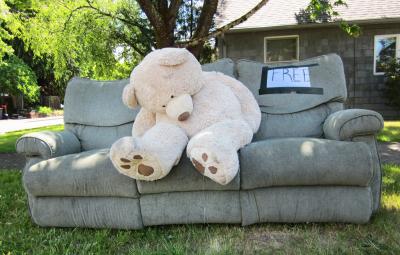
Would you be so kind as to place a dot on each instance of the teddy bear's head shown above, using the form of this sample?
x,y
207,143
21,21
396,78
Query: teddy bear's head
x,y
164,82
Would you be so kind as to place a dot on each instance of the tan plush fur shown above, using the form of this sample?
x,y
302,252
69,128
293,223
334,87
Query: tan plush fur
x,y
210,113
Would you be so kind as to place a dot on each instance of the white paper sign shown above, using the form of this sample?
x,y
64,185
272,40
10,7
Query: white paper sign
x,y
288,77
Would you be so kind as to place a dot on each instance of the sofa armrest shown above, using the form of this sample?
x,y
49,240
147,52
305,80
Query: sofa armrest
x,y
347,124
48,144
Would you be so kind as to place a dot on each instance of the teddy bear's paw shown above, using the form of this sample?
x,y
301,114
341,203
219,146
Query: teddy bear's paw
x,y
140,166
210,164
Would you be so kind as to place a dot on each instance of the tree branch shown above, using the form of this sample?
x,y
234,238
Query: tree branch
x,y
160,20
162,6
173,11
198,40
90,6
152,13
206,18
126,21
130,42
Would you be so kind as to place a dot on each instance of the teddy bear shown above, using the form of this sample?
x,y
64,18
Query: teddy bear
x,y
209,113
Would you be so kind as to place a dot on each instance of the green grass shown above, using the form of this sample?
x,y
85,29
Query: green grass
x,y
18,235
7,140
391,132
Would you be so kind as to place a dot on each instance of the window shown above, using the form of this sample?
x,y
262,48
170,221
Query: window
x,y
385,48
281,48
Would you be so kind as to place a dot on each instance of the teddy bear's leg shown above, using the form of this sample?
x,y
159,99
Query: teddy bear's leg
x,y
151,156
213,151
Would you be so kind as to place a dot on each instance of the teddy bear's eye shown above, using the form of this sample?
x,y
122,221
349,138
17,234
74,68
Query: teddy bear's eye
x,y
172,96
163,106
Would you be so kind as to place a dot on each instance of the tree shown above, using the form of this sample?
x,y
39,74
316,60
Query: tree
x,y
18,79
163,14
320,11
65,38
391,67
105,39
5,35
14,14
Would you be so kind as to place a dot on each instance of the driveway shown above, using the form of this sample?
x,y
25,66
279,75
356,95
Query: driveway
x,y
15,125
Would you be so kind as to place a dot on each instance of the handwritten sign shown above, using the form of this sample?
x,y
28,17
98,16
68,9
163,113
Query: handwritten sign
x,y
288,80
288,77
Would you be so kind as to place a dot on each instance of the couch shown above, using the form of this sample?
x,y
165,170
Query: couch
x,y
311,161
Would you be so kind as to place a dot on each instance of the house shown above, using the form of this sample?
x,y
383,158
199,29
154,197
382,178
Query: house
x,y
280,32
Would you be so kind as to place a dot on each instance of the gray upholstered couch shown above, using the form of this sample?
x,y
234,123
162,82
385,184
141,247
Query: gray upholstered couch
x,y
311,161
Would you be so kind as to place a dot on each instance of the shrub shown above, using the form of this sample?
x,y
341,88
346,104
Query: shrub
x,y
18,78
392,82
58,112
44,110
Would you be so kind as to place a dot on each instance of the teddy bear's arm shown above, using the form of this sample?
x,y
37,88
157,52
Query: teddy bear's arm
x,y
144,121
250,109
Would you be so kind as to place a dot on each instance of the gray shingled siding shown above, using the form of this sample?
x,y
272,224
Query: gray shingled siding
x,y
357,55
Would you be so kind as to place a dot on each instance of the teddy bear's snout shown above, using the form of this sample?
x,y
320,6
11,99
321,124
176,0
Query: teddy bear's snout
x,y
180,108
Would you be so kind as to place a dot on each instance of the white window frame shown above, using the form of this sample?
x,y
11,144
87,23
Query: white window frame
x,y
282,37
378,37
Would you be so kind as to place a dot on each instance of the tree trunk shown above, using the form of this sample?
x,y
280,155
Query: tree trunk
x,y
203,25
196,40
163,19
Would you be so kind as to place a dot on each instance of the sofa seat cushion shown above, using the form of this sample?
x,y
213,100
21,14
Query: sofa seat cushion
x,y
305,161
184,177
85,174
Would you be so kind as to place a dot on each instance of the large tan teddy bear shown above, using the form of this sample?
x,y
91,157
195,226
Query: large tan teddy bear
x,y
212,114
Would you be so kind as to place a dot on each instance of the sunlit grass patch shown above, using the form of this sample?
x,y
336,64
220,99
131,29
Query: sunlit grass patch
x,y
7,140
390,133
391,191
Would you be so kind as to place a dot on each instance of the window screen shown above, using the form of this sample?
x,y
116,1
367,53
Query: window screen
x,y
281,49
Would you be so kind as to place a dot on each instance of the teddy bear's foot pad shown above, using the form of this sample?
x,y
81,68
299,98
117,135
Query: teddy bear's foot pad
x,y
209,164
140,167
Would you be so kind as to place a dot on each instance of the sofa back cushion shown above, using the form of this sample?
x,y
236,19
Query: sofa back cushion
x,y
325,72
96,103
97,137
224,65
95,113
307,123
296,114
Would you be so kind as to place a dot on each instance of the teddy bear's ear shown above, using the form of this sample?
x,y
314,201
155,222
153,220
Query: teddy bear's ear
x,y
173,56
129,97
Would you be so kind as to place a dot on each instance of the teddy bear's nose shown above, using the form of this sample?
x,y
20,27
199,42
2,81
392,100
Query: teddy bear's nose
x,y
184,116
180,108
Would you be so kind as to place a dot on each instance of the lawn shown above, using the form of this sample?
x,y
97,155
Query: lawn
x,y
18,235
391,132
7,140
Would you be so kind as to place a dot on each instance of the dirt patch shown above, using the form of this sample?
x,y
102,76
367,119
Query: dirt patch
x,y
12,161
389,153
